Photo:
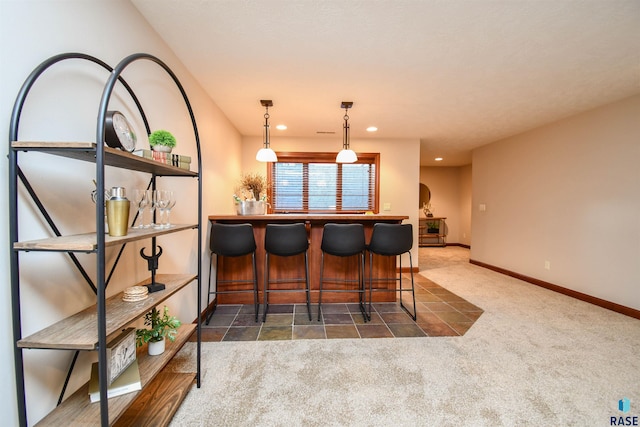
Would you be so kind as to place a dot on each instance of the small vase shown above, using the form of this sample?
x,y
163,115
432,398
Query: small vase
x,y
156,348
161,148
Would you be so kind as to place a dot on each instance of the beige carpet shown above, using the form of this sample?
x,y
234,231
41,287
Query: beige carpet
x,y
534,358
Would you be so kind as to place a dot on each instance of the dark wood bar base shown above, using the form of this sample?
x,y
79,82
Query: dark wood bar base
x,y
283,268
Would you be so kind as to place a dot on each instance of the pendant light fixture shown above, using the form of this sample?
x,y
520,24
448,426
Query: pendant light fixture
x,y
266,154
346,155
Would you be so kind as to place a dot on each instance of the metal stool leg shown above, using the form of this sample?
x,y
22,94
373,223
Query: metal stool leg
x,y
413,293
265,291
370,284
320,286
256,300
362,298
306,277
363,289
209,290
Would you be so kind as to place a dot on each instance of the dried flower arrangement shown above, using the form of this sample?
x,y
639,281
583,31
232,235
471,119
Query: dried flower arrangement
x,y
253,186
426,208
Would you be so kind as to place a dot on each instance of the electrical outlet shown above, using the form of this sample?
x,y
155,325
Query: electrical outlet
x,y
386,207
483,207
547,265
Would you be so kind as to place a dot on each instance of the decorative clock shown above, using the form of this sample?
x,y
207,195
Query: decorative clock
x,y
118,132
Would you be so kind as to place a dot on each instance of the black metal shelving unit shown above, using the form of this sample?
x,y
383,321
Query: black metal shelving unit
x,y
94,152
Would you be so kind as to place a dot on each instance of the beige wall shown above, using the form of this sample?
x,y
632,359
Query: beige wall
x,y
568,194
63,105
399,169
451,198
466,191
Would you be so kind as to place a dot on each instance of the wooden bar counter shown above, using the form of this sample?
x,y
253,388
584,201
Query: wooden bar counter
x,y
282,268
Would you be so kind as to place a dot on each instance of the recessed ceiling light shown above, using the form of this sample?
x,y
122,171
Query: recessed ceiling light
x,y
438,159
372,129
281,127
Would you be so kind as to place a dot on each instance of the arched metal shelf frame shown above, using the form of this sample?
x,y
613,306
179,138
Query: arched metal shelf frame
x,y
14,169
100,287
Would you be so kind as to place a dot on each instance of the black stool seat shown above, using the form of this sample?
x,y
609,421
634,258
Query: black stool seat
x,y
286,240
343,240
232,240
392,240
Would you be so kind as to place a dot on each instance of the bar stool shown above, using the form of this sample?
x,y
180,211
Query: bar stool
x,y
232,240
392,240
343,240
286,240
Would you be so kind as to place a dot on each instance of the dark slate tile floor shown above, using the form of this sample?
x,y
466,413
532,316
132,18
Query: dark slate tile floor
x,y
440,313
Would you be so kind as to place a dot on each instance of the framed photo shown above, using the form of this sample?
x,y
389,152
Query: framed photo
x,y
121,352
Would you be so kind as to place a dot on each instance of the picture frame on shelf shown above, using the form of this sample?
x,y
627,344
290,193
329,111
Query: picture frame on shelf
x,y
121,353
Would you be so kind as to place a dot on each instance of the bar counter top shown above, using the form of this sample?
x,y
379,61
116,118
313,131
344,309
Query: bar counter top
x,y
309,217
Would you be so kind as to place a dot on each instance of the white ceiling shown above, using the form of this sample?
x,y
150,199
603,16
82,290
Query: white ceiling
x,y
456,74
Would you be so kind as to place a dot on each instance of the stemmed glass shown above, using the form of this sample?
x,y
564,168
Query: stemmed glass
x,y
141,202
151,202
160,204
171,202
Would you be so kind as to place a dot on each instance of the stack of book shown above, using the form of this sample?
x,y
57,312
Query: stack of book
x,y
128,381
183,162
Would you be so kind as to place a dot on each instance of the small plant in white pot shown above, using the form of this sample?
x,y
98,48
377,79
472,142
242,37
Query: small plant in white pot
x,y
161,326
162,140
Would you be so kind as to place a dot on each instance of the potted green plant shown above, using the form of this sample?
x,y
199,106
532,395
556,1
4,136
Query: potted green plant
x,y
162,140
161,326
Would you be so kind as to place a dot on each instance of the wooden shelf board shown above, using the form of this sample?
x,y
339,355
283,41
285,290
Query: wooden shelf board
x,y
157,403
86,151
78,409
80,331
87,242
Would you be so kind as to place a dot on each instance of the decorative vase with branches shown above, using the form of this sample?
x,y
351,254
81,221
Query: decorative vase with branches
x,y
253,186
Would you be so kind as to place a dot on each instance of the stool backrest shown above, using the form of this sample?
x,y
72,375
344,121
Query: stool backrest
x,y
232,239
286,239
391,239
343,239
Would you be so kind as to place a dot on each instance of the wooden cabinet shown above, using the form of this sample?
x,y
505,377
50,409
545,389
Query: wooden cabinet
x,y
91,328
432,231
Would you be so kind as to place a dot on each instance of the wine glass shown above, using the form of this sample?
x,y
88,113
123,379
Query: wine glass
x,y
160,203
171,202
151,203
141,202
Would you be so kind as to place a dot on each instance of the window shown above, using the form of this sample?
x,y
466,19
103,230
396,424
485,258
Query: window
x,y
315,183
